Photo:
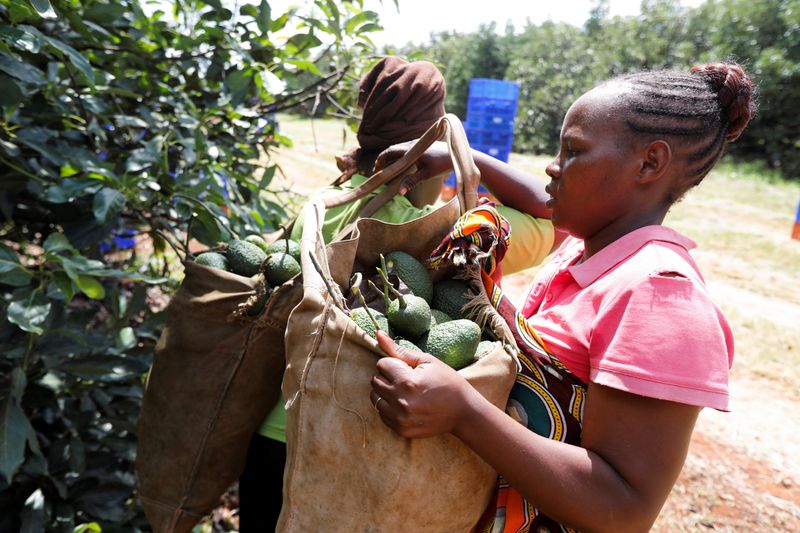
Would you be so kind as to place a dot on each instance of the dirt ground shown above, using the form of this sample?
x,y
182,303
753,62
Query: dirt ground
x,y
743,468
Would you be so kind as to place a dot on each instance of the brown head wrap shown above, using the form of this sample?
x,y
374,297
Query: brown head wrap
x,y
401,100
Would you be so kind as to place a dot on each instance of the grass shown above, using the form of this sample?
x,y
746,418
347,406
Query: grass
x,y
741,216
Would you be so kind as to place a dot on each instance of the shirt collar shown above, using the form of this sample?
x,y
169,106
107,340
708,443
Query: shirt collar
x,y
587,272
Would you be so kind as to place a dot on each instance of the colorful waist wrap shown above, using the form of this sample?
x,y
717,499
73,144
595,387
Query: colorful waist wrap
x,y
547,398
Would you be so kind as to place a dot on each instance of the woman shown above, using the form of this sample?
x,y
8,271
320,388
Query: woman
x,y
629,345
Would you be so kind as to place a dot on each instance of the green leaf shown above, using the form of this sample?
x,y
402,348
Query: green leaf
x,y
68,189
21,70
33,515
29,311
44,9
21,39
13,431
11,271
237,84
267,177
139,160
20,10
91,527
107,204
264,16
90,287
370,27
57,242
77,60
9,148
308,66
31,138
64,284
126,338
106,368
10,92
304,40
68,170
360,18
76,265
125,120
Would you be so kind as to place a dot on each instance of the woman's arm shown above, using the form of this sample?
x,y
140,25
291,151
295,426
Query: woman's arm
x,y
512,187
631,453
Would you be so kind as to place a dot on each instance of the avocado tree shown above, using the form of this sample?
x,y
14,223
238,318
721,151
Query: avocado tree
x,y
128,129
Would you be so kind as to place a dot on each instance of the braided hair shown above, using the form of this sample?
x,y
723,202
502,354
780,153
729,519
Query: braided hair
x,y
700,111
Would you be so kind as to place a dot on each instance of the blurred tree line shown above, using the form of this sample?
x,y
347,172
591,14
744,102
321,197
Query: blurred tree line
x,y
555,62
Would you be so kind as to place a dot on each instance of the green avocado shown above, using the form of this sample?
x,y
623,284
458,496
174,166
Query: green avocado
x,y
258,240
286,246
280,268
412,273
484,348
453,342
360,317
245,257
450,296
439,317
213,260
411,321
407,344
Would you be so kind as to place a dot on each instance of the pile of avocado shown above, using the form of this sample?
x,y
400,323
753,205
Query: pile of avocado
x,y
430,319
280,261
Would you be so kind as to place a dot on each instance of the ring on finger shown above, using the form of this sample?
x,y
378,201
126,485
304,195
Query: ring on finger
x,y
375,405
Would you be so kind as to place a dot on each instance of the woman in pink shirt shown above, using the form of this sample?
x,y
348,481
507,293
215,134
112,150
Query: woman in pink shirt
x,y
627,345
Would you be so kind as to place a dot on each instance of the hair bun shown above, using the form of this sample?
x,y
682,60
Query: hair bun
x,y
735,93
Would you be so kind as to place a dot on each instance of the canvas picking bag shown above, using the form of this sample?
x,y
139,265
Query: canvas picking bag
x,y
347,471
216,372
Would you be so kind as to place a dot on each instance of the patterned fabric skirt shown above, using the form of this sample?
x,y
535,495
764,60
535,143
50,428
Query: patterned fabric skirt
x,y
548,399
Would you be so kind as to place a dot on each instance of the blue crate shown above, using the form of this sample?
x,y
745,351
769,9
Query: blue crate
x,y
499,139
489,121
492,105
496,89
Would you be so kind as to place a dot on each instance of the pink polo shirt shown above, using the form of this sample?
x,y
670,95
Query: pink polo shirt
x,y
636,316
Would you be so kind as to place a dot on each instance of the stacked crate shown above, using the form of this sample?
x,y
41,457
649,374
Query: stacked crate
x,y
491,109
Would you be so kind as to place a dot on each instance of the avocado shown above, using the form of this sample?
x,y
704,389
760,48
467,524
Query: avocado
x,y
411,272
280,268
453,342
286,246
213,260
450,296
407,344
245,257
439,317
409,315
484,348
362,320
258,240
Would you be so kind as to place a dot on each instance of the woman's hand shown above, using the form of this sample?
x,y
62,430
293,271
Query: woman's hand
x,y
416,394
434,162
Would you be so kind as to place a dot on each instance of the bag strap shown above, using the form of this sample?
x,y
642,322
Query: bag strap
x,y
449,129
